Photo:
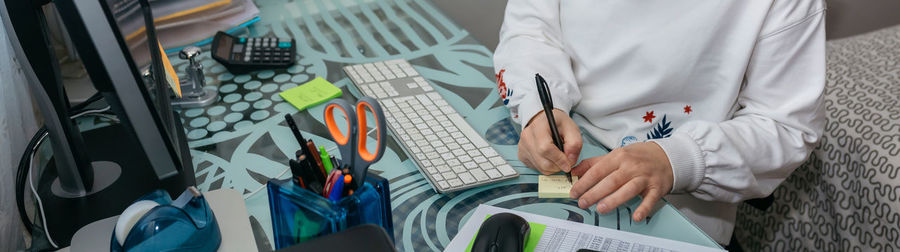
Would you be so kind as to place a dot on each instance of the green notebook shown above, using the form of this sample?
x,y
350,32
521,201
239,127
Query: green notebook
x,y
311,93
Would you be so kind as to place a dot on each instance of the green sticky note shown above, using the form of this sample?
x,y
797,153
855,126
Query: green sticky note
x,y
534,236
311,93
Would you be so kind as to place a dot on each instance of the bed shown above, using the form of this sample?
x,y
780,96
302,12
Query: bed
x,y
845,197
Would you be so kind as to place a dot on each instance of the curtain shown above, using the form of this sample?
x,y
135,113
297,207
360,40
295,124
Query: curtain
x,y
17,125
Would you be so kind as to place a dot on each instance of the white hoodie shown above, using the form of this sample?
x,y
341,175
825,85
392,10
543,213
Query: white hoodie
x,y
730,89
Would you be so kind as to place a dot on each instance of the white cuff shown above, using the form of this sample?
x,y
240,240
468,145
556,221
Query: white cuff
x,y
686,158
531,105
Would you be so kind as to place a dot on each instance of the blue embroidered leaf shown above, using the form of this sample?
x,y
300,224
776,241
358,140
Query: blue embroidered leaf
x,y
662,130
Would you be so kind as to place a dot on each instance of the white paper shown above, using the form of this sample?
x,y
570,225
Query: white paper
x,y
563,235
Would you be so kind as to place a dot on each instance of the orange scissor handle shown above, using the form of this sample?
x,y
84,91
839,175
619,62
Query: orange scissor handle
x,y
367,157
353,144
339,137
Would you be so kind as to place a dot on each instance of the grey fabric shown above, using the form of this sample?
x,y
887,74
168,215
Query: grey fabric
x,y
17,124
845,197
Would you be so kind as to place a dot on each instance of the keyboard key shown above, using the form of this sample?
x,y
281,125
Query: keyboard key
x,y
506,170
448,141
470,165
443,184
493,173
443,168
466,178
497,160
489,152
431,170
448,175
423,99
459,168
437,177
455,182
479,175
467,130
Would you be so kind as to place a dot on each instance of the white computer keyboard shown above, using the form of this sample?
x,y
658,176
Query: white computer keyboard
x,y
446,149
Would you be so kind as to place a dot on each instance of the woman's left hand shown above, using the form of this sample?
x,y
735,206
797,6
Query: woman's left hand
x,y
637,169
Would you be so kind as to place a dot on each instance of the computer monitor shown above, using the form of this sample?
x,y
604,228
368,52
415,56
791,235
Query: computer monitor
x,y
97,173
112,38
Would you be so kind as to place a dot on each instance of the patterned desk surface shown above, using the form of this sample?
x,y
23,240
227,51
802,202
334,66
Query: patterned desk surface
x,y
241,141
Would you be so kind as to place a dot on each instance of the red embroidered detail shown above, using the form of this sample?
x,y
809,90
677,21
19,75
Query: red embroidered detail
x,y
501,86
687,109
649,117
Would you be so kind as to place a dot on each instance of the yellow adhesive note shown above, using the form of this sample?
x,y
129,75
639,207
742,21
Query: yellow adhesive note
x,y
311,93
554,186
171,76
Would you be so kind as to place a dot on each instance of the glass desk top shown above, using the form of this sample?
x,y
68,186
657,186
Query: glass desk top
x,y
241,141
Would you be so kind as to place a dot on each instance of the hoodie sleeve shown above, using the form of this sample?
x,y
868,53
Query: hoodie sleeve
x,y
530,43
779,120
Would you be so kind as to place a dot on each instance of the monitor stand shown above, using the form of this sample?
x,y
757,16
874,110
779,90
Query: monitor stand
x,y
121,176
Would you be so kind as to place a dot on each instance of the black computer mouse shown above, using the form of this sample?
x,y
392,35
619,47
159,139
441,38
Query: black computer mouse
x,y
502,232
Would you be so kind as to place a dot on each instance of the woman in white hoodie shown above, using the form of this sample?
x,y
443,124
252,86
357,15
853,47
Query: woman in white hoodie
x,y
707,103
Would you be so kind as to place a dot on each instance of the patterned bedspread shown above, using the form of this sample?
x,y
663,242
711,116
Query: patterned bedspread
x,y
845,197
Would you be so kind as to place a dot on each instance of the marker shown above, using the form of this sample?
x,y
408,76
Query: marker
x,y
337,190
326,161
329,184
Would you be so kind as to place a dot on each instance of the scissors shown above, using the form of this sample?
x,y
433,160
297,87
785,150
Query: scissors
x,y
352,145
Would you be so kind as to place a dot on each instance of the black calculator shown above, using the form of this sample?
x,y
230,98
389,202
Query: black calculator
x,y
242,54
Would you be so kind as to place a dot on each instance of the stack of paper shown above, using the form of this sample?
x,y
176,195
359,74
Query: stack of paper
x,y
181,23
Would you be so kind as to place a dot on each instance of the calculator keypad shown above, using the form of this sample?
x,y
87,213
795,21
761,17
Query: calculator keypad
x,y
263,50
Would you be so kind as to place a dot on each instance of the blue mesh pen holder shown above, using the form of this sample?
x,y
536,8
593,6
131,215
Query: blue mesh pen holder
x,y
299,214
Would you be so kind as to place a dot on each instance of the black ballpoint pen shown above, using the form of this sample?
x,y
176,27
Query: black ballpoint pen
x,y
293,125
547,101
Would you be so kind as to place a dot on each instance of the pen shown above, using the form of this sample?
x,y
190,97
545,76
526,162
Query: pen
x,y
311,178
296,172
326,160
302,141
311,147
293,125
547,101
